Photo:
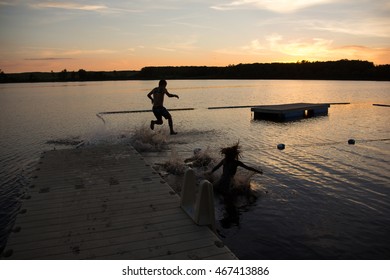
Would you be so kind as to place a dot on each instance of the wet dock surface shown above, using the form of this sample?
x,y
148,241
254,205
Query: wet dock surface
x,y
105,202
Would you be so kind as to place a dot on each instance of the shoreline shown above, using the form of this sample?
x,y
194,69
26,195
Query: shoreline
x,y
351,70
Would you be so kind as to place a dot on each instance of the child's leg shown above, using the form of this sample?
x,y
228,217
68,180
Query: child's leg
x,y
168,116
170,122
158,120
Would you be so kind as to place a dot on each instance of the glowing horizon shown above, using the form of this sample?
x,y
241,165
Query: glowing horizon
x,y
103,35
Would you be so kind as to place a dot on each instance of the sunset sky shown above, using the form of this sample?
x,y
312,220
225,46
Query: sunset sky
x,y
128,35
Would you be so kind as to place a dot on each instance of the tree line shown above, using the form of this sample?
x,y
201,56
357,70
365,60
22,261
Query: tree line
x,y
329,70
66,76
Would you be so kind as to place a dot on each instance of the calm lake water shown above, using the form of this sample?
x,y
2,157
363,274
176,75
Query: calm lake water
x,y
320,198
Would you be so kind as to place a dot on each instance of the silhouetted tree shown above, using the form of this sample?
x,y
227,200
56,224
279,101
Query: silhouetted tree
x,y
63,75
82,75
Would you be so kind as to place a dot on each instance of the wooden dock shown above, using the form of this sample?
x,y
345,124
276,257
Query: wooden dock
x,y
287,112
105,202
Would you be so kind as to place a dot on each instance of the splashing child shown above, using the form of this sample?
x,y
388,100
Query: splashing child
x,y
230,162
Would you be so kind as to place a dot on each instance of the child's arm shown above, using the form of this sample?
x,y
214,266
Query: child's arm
x,y
249,168
217,166
150,96
171,95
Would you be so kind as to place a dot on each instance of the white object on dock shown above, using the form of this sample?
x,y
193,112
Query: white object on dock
x,y
200,207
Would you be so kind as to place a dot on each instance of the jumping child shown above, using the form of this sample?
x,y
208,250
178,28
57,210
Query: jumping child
x,y
158,105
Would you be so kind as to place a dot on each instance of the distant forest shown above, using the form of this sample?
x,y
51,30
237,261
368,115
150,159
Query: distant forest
x,y
305,70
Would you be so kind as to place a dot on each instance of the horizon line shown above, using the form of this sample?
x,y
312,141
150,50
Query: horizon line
x,y
229,65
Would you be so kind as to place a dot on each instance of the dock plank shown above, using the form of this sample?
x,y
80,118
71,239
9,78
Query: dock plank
x,y
105,202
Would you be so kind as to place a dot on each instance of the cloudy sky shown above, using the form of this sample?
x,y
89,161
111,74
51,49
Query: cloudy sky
x,y
39,35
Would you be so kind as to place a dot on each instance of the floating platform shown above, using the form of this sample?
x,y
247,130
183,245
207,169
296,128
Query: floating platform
x,y
288,112
105,202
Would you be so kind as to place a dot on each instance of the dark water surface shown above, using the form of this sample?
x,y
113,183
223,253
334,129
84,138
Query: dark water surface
x,y
320,198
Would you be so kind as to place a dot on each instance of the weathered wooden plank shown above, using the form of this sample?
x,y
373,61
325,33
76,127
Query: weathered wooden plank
x,y
52,218
90,243
51,201
208,252
156,222
106,232
148,245
168,246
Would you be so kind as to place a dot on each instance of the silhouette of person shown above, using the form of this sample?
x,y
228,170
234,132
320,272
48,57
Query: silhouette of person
x,y
158,105
230,163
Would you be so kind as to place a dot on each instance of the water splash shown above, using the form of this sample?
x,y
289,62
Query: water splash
x,y
202,159
242,182
144,139
202,162
175,165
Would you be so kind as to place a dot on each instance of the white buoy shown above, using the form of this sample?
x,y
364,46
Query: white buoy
x,y
281,146
351,141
